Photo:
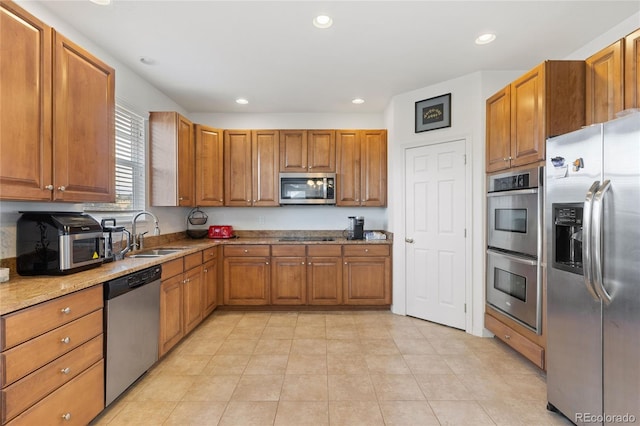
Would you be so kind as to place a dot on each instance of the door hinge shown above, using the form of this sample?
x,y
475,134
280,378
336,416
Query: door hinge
x,y
465,158
465,308
465,232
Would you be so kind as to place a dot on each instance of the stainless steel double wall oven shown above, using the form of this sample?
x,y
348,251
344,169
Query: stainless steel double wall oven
x,y
514,245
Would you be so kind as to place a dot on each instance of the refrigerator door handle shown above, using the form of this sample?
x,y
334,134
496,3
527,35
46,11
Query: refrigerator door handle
x,y
586,241
597,219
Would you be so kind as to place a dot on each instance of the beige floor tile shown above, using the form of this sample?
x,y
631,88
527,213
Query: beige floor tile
x,y
522,412
347,364
339,320
307,387
344,346
211,388
443,387
427,364
311,319
309,346
165,388
267,364
109,413
310,332
226,364
219,332
204,346
283,319
511,362
249,413
432,330
420,346
278,332
487,386
237,347
246,333
460,413
526,386
450,346
407,413
355,413
302,413
255,319
396,387
351,387
387,364
181,364
143,413
379,347
273,346
196,413
258,388
373,333
469,364
405,332
342,332
307,364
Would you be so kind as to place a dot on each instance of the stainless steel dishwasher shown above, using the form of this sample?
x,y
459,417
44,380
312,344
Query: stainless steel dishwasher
x,y
132,322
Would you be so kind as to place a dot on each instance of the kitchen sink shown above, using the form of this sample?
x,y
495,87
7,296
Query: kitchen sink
x,y
159,252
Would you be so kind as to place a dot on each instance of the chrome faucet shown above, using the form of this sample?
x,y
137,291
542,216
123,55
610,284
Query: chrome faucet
x,y
138,239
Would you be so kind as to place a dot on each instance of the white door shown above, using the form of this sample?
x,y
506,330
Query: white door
x,y
435,232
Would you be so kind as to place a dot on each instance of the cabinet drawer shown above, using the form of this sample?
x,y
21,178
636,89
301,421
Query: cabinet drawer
x,y
247,250
288,250
29,390
80,401
192,260
17,362
172,268
209,254
365,250
517,341
18,327
326,250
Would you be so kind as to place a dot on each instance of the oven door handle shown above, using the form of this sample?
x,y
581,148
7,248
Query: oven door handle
x,y
514,192
597,218
517,259
586,241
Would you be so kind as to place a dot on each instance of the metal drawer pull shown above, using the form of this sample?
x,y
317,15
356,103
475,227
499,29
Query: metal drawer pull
x,y
506,336
65,370
302,263
66,310
246,251
366,250
65,340
66,416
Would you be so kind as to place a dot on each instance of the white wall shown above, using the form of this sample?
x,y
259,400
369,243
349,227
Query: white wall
x,y
625,27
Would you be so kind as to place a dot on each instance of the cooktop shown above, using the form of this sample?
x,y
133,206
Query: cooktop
x,y
306,239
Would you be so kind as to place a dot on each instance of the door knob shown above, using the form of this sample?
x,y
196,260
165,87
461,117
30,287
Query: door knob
x,y
409,240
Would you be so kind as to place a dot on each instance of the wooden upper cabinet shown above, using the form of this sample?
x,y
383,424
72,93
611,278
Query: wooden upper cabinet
x,y
172,159
498,136
307,151
546,101
632,70
25,122
209,166
251,161
604,84
265,159
361,167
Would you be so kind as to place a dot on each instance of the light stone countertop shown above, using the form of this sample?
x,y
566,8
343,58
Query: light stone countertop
x,y
23,291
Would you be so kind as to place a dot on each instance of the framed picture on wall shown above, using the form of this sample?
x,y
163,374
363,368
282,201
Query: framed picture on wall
x,y
433,113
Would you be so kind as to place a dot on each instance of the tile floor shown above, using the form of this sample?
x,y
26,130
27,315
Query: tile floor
x,y
334,368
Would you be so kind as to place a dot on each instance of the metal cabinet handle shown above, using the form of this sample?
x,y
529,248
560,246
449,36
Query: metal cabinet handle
x,y
246,251
345,263
266,263
66,416
206,270
366,250
180,198
220,199
409,240
507,337
65,370
66,310
302,263
65,340
61,188
49,187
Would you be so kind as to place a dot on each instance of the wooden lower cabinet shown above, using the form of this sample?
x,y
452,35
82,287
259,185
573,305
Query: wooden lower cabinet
x,y
517,341
324,280
288,281
171,326
192,298
246,280
210,272
366,280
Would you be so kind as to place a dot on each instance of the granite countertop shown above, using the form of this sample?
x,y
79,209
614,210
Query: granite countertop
x,y
22,291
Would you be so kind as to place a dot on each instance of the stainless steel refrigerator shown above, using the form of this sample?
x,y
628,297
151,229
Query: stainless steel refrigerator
x,y
592,220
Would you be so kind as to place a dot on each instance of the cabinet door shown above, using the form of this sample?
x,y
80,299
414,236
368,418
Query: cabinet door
x,y
604,95
288,281
321,151
210,286
83,125
265,165
347,168
632,70
367,280
192,298
186,163
25,122
237,168
171,323
246,280
373,164
293,151
324,280
209,167
527,117
498,136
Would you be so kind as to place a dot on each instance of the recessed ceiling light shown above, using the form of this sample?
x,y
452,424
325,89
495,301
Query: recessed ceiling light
x,y
322,21
101,2
485,38
146,60
357,101
242,101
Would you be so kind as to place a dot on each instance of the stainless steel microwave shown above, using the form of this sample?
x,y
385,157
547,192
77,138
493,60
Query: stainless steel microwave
x,y
307,188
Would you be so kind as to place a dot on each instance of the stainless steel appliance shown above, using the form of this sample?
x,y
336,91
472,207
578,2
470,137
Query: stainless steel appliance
x,y
55,243
514,245
132,318
593,283
116,239
355,230
307,188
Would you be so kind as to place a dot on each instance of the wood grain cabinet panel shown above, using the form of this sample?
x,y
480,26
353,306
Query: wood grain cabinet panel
x,y
210,286
209,166
498,130
324,280
171,312
288,280
632,70
605,93
247,280
367,280
293,151
192,298
238,178
265,159
517,341
307,151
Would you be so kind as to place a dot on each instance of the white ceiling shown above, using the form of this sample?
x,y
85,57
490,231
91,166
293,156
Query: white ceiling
x,y
208,53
